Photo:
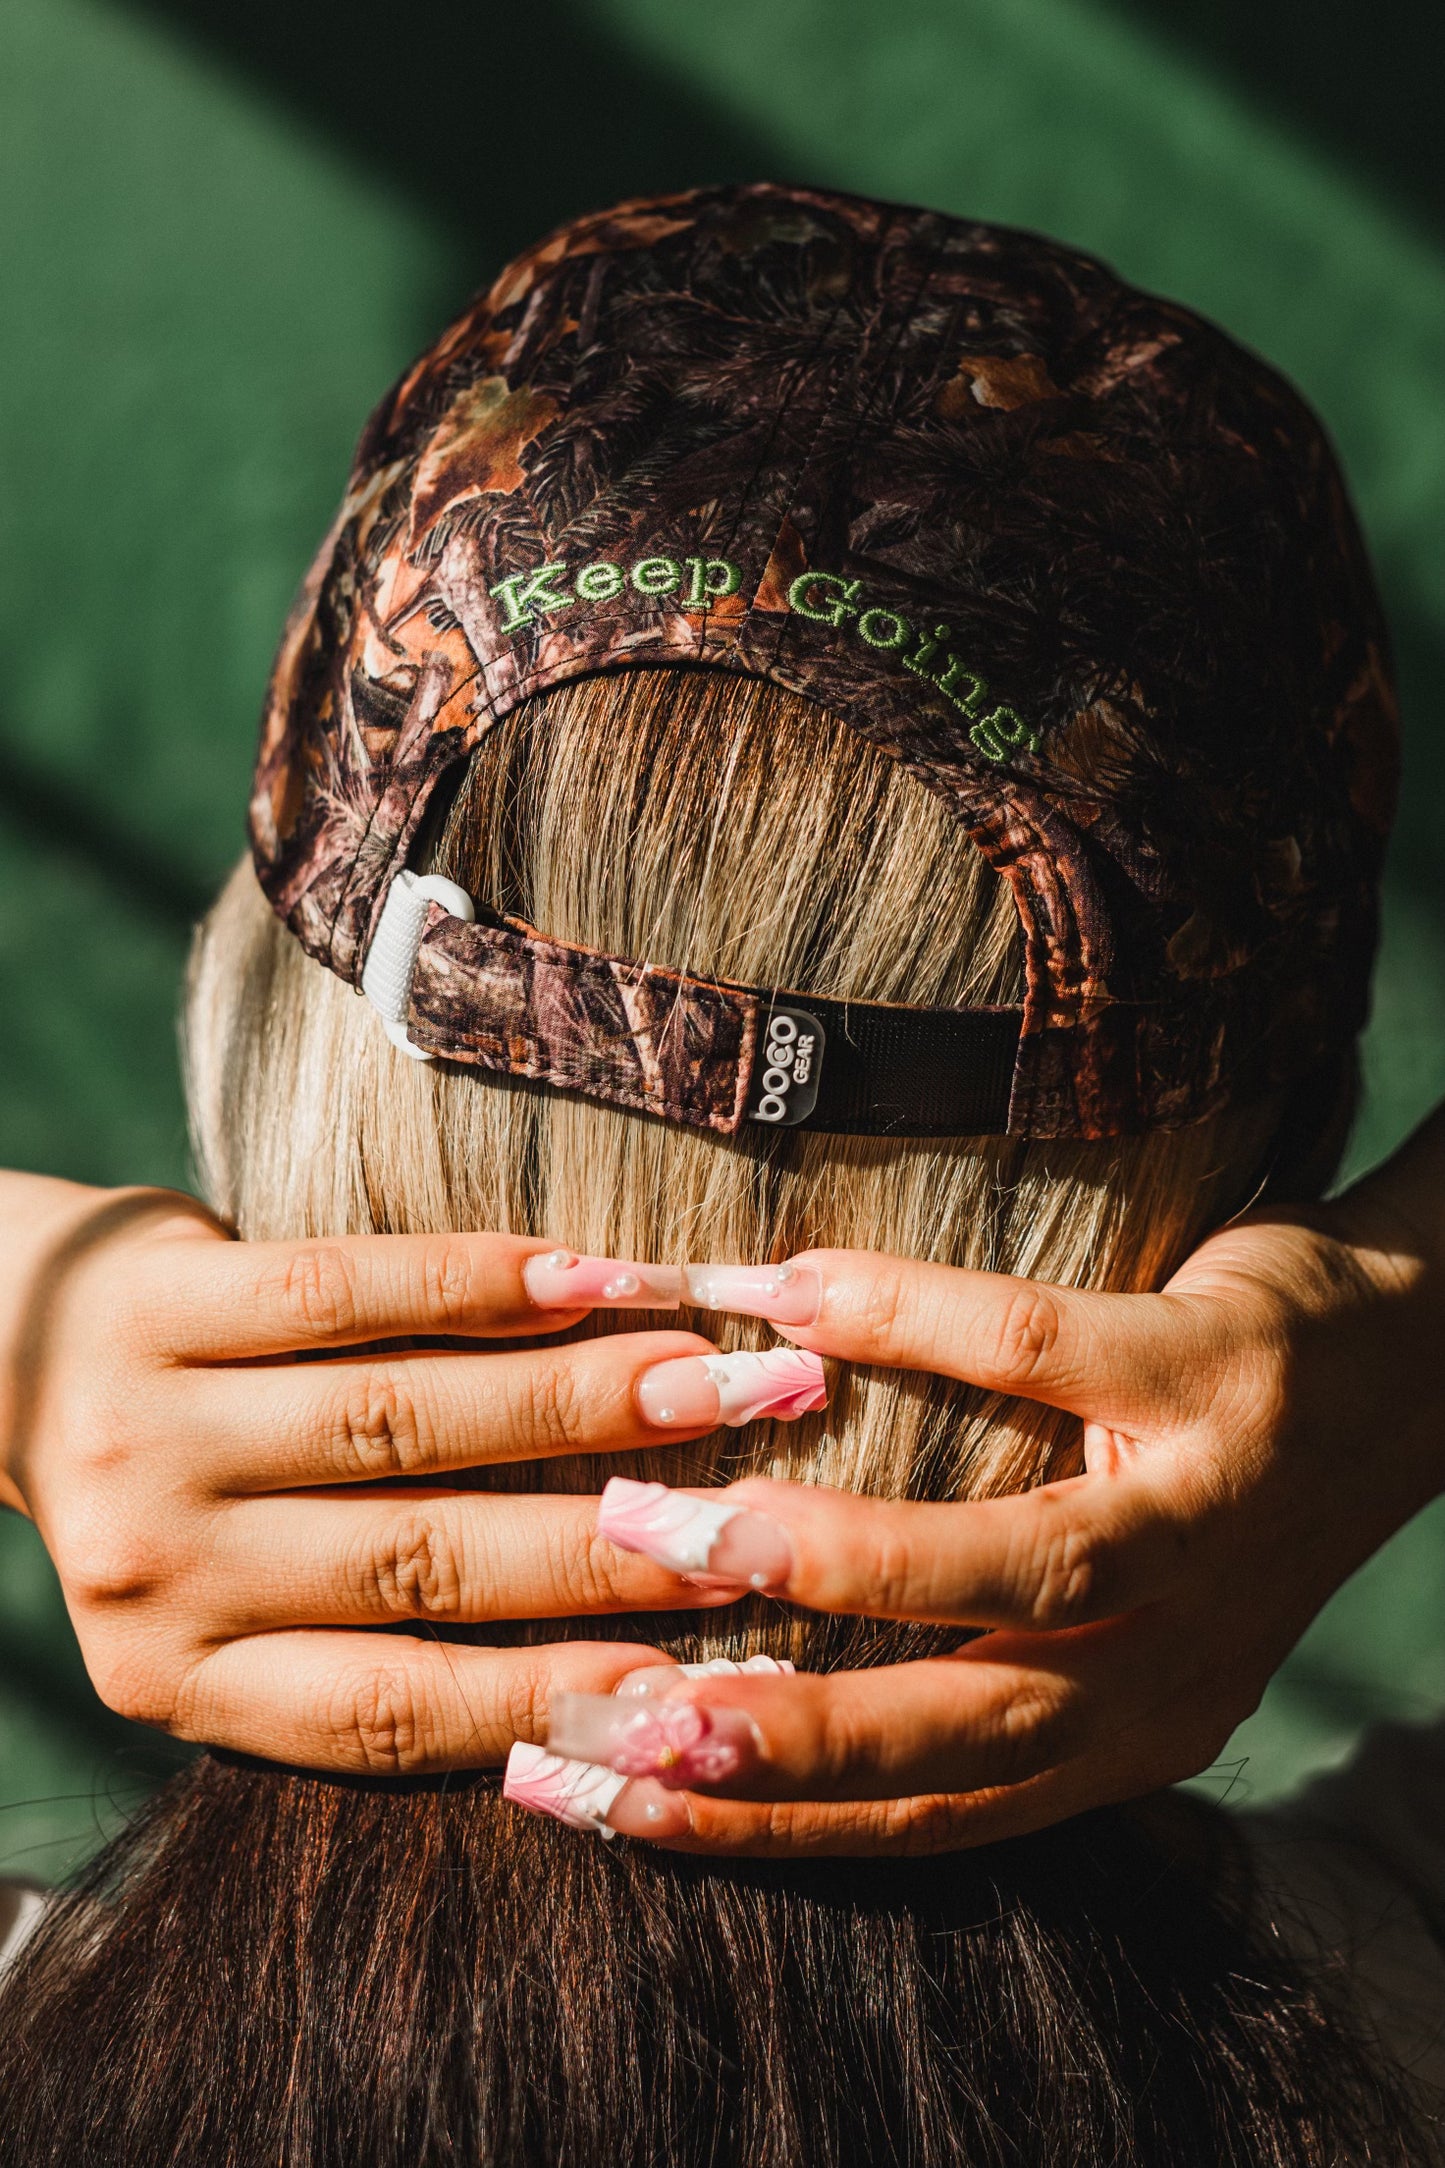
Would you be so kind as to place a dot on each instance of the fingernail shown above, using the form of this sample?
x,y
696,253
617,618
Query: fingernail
x,y
645,1808
667,1678
708,1539
788,1294
783,1382
561,1280
679,1743
587,1795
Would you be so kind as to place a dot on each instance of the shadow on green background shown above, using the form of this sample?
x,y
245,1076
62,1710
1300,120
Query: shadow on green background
x,y
225,230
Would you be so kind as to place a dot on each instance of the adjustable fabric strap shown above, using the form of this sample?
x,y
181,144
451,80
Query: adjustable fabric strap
x,y
886,1071
498,995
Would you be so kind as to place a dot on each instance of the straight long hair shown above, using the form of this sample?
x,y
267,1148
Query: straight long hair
x,y
272,1967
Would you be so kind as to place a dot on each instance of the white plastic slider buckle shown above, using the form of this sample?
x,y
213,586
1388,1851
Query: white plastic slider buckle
x,y
391,960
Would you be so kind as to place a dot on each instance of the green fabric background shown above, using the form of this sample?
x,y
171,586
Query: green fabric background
x,y
224,229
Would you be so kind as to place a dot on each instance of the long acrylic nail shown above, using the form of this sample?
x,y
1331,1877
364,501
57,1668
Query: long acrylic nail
x,y
669,1678
561,1280
782,1382
710,1540
787,1294
678,1743
588,1795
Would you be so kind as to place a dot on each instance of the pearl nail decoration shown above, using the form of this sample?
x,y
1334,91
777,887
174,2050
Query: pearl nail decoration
x,y
563,1279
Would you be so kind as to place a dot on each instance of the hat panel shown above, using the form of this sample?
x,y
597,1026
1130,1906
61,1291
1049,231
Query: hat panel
x,y
1080,562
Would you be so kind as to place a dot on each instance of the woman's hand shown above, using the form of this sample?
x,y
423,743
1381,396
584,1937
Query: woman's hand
x,y
1251,1435
207,1498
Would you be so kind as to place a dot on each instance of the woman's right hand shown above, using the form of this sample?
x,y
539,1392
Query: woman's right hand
x,y
1251,1434
207,1496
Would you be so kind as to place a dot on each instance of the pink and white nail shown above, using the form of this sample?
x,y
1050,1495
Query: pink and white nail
x,y
563,1280
676,1743
788,1294
588,1795
727,1667
706,1539
691,1390
578,1793
666,1678
611,1802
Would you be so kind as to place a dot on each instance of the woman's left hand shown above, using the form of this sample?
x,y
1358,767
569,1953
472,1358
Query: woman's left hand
x,y
1251,1435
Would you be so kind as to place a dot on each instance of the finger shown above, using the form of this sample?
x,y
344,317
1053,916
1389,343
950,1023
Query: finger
x,y
248,1299
922,1825
1108,1358
1119,1764
448,1557
1065,1554
384,1705
297,1425
938,1725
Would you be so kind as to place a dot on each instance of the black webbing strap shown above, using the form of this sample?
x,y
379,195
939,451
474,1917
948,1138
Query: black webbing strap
x,y
891,1072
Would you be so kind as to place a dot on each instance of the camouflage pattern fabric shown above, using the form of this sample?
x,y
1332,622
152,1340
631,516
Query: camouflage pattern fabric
x,y
1081,563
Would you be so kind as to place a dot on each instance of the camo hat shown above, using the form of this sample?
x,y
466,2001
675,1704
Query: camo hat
x,y
1081,563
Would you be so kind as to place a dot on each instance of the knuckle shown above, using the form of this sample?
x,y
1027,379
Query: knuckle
x,y
882,1310
893,1572
1028,1333
134,1321
377,1723
587,1572
414,1572
447,1285
841,1740
931,1822
550,1414
101,1447
779,1824
1033,1731
131,1686
107,1568
525,1693
1064,1574
376,1427
318,1290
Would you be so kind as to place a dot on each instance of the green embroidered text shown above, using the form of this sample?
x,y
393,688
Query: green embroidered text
x,y
697,582
829,599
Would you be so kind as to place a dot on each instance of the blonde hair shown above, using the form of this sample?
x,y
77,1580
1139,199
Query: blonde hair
x,y
724,826
394,1973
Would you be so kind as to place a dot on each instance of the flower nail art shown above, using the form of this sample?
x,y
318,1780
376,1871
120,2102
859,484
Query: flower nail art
x,y
676,1742
692,1390
578,1793
586,1794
